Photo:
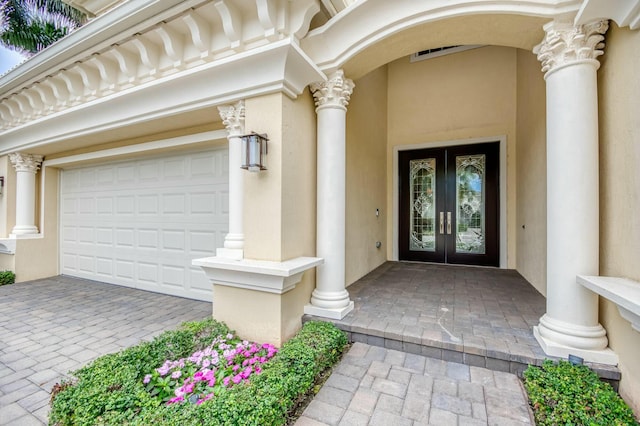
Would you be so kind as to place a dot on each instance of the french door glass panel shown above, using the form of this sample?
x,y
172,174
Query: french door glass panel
x,y
470,204
423,210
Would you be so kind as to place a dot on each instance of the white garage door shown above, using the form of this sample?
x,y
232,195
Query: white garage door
x,y
141,223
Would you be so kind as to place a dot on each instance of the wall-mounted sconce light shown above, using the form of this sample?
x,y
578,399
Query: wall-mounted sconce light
x,y
1,184
254,152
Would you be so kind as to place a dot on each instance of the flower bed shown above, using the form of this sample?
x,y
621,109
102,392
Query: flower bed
x,y
112,389
197,378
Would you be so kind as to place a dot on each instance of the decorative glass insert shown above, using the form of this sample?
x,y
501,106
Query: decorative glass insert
x,y
422,223
470,204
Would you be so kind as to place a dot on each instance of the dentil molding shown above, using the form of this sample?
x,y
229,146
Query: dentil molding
x,y
566,43
335,92
25,162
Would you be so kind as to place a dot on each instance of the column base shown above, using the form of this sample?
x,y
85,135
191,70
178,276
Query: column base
x,y
332,313
561,339
230,253
24,230
551,348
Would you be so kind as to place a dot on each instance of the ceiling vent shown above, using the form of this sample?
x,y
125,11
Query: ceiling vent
x,y
441,51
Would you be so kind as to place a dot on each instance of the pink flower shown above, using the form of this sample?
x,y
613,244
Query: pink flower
x,y
176,374
175,400
163,370
246,372
226,381
206,363
237,378
147,379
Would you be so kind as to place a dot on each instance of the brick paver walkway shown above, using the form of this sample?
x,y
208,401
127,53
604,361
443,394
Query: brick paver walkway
x,y
52,326
378,386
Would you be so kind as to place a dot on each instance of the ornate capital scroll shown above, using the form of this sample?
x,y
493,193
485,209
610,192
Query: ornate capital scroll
x,y
233,118
565,43
25,162
334,92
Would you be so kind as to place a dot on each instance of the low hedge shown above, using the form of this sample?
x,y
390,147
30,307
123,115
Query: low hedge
x,y
7,277
111,391
565,394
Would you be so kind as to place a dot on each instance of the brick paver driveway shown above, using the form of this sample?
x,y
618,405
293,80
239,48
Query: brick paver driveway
x,y
52,326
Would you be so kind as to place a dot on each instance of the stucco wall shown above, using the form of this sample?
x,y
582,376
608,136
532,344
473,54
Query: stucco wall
x,y
470,94
8,197
279,216
366,175
531,240
44,249
619,106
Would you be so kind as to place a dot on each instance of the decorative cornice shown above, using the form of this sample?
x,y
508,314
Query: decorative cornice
x,y
333,93
149,51
623,12
565,43
25,162
233,118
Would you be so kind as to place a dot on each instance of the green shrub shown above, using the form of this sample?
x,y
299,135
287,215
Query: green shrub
x,y
110,390
565,394
7,277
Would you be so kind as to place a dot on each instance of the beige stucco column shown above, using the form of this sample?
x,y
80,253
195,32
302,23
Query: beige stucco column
x,y
233,118
570,326
330,298
26,166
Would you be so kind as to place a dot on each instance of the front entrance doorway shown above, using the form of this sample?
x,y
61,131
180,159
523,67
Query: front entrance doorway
x,y
449,204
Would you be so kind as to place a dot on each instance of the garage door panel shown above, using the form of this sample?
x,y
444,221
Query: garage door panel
x,y
104,267
203,241
125,269
141,223
86,264
199,282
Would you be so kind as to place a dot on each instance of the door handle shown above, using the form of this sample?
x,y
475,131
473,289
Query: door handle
x,y
441,222
449,223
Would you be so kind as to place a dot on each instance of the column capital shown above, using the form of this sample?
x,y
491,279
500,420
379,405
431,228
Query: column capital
x,y
25,162
333,93
233,118
565,44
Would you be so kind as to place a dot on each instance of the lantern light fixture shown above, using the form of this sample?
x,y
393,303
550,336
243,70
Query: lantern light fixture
x,y
254,151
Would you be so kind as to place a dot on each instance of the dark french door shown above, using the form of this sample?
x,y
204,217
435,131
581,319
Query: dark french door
x,y
449,204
